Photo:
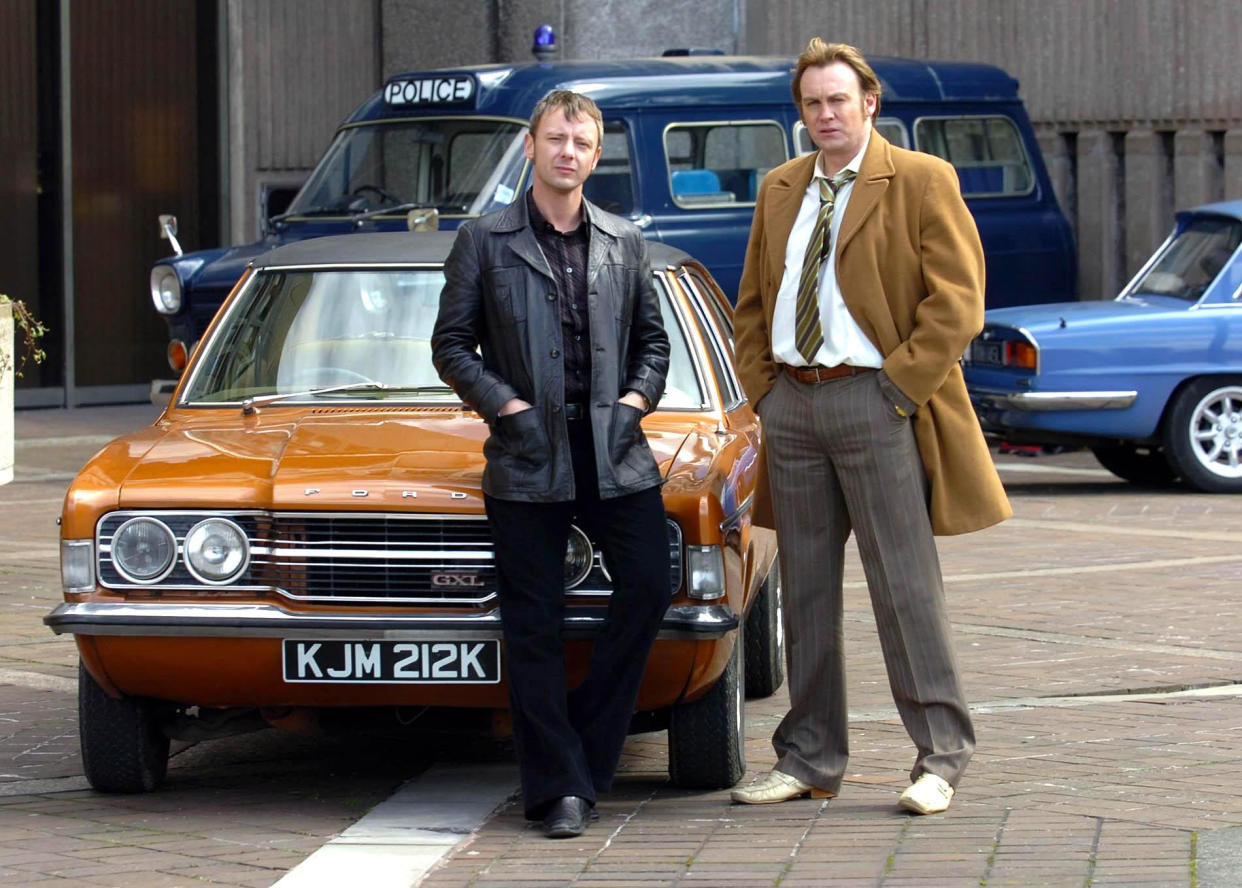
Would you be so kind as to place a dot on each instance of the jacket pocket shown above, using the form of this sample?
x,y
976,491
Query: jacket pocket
x,y
524,438
625,431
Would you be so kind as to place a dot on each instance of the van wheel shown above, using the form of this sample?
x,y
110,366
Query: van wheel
x,y
1203,435
1144,466
706,737
123,747
765,639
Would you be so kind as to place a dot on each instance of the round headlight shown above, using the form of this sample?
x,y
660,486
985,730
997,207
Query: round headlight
x,y
143,550
216,550
578,557
165,290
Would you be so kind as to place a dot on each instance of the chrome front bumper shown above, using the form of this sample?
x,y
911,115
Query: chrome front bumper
x,y
684,622
1042,402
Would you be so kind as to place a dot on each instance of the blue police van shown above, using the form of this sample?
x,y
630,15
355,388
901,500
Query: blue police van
x,y
688,138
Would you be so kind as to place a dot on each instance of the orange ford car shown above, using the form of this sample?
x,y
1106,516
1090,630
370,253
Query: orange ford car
x,y
303,527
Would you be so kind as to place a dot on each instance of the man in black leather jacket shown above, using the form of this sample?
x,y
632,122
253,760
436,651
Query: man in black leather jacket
x,y
549,327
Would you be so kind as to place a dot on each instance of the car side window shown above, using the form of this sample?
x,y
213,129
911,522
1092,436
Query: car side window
x,y
889,127
712,165
719,344
611,186
987,153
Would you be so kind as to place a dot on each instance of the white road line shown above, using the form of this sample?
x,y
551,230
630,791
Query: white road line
x,y
37,680
1053,470
401,839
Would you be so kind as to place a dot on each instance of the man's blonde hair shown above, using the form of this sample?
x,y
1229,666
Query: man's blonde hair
x,y
818,53
573,105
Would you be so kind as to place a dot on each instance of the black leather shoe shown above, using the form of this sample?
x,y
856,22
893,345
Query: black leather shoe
x,y
566,818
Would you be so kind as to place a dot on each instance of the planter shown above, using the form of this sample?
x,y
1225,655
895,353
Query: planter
x,y
6,392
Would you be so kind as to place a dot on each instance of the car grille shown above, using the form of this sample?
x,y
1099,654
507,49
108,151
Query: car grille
x,y
357,559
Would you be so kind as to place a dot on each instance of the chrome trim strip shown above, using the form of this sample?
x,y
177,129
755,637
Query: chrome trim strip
x,y
162,619
735,517
1041,402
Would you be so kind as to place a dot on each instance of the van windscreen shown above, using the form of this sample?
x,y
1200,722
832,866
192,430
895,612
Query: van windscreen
x,y
459,165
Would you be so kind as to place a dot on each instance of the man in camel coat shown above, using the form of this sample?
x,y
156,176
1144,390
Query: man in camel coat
x,y
863,285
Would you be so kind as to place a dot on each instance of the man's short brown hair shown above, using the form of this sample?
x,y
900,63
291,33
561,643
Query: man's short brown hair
x,y
818,53
573,105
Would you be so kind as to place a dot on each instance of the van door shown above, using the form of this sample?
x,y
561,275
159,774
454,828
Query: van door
x,y
1026,238
702,177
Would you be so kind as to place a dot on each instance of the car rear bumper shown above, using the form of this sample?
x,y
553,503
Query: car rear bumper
x,y
1043,402
684,622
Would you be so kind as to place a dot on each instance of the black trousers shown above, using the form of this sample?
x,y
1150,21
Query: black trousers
x,y
569,742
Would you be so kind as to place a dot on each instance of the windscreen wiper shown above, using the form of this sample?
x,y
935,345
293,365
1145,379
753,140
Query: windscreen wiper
x,y
249,405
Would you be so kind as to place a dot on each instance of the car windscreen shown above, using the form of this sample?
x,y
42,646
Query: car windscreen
x,y
459,165
1191,260
350,334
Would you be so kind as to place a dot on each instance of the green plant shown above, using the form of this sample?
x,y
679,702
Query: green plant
x,y
29,330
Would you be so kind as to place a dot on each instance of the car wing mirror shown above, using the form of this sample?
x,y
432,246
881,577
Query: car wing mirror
x,y
423,219
168,231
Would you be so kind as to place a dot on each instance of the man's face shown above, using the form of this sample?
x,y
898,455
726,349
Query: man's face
x,y
563,152
835,112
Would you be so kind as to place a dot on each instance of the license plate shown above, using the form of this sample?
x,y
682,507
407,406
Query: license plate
x,y
392,662
987,352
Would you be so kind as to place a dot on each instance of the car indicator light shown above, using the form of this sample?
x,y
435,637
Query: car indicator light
x,y
77,565
706,567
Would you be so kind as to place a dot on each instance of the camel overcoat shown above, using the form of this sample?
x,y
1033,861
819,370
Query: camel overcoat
x,y
910,268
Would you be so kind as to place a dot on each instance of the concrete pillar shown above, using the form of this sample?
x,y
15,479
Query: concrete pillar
x,y
1148,196
1233,164
1099,221
1197,176
8,357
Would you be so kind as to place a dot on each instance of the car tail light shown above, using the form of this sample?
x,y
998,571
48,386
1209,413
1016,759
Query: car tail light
x,y
1021,354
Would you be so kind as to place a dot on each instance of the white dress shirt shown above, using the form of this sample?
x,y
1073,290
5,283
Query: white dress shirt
x,y
844,340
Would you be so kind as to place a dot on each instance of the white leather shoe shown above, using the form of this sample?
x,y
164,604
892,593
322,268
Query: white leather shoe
x,y
927,795
777,786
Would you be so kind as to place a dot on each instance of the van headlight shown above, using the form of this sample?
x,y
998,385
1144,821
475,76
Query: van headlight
x,y
216,550
165,289
705,564
143,550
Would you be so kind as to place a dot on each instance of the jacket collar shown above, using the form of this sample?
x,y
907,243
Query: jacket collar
x,y
515,220
794,178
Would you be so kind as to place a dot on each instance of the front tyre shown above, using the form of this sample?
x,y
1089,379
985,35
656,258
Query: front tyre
x,y
1203,435
123,747
706,737
765,639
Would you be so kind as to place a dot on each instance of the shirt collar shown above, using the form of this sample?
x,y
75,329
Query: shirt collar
x,y
855,163
539,224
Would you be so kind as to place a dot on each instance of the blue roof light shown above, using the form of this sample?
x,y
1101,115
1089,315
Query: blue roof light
x,y
544,46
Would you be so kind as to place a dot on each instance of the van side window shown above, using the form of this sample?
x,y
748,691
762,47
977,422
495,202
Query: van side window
x,y
611,186
986,151
721,164
889,127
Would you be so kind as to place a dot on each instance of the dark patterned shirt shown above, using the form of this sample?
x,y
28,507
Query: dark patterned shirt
x,y
566,253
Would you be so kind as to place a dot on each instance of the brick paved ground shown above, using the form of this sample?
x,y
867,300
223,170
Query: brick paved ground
x,y
1080,626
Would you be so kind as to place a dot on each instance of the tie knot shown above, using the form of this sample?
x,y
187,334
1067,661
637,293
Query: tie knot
x,y
828,188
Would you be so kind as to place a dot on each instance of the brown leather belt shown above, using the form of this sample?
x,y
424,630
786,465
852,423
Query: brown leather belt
x,y
823,374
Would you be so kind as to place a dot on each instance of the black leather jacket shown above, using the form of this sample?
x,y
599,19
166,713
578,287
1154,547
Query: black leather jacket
x,y
498,336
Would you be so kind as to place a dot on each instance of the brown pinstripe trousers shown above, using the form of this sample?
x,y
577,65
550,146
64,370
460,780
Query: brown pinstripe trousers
x,y
840,458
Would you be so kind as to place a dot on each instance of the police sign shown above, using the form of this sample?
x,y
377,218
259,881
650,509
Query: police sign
x,y
444,89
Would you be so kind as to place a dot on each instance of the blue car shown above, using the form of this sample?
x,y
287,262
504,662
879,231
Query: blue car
x,y
1150,381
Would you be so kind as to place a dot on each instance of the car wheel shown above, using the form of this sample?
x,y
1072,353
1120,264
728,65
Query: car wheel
x,y
765,640
706,737
1147,465
123,748
1203,435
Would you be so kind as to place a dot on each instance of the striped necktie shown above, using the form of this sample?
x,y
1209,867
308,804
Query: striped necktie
x,y
808,333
